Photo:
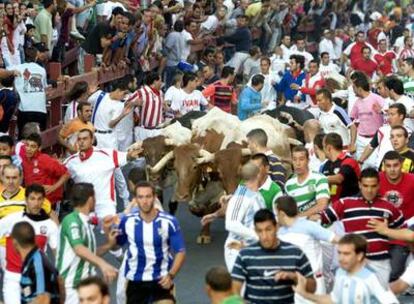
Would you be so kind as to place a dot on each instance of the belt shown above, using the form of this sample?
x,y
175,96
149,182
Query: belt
x,y
103,132
366,136
148,128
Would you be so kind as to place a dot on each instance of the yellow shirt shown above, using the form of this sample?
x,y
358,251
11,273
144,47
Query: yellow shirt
x,y
253,9
17,203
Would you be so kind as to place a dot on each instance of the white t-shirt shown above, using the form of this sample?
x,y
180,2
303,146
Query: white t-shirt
x,y
71,111
409,106
210,24
185,102
107,110
336,120
98,169
105,9
172,93
186,48
307,235
31,86
328,70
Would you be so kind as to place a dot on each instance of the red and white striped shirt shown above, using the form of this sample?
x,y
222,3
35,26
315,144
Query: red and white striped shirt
x,y
151,112
406,53
355,212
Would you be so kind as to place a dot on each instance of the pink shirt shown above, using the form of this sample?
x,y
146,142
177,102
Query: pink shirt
x,y
369,118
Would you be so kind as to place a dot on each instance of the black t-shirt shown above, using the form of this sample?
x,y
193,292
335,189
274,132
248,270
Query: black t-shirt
x,y
39,276
349,169
92,44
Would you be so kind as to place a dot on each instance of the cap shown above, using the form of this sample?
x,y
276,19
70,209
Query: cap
x,y
375,16
29,27
41,47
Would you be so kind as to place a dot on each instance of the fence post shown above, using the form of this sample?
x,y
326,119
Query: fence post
x,y
89,62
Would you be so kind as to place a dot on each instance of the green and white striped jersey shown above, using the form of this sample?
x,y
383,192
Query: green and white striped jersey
x,y
74,230
305,194
408,86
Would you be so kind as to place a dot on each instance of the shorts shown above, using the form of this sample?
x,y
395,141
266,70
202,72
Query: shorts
x,y
147,292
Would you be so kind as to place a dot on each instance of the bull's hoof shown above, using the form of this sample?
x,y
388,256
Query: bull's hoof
x,y
203,239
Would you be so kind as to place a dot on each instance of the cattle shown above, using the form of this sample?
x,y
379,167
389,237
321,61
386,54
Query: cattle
x,y
289,116
189,162
186,120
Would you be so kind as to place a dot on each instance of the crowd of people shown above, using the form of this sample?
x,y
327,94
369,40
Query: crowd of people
x,y
334,223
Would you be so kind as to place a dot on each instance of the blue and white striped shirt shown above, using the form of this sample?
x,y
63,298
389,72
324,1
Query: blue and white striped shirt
x,y
362,287
150,245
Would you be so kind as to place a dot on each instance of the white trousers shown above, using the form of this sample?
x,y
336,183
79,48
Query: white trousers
x,y
361,143
121,187
121,284
11,287
237,61
108,140
72,296
230,256
382,269
141,133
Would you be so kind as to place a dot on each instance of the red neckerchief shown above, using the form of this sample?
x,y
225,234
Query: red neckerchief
x,y
84,155
296,75
343,155
156,92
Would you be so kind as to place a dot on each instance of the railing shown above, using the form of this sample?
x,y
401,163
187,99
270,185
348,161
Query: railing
x,y
56,96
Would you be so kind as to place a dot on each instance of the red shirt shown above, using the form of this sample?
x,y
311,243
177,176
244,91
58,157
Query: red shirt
x,y
355,212
385,62
44,170
400,195
367,66
356,52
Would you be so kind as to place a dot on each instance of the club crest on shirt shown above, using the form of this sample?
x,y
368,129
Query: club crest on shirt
x,y
311,188
75,232
394,197
336,170
43,230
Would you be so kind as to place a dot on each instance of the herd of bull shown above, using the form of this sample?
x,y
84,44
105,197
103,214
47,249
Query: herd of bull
x,y
196,158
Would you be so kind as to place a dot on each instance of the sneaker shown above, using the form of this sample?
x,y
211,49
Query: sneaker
x,y
77,35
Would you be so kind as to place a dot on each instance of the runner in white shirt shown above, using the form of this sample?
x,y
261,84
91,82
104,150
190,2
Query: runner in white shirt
x,y
299,49
97,166
107,113
268,92
334,119
381,142
396,91
242,206
190,99
327,68
305,234
46,232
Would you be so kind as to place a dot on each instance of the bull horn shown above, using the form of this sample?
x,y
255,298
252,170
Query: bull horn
x,y
169,142
246,152
294,142
162,162
206,157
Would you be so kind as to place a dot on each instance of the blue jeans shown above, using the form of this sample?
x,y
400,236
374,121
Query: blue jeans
x,y
169,75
